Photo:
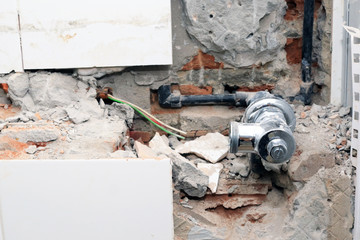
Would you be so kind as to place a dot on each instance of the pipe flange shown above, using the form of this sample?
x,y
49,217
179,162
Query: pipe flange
x,y
274,102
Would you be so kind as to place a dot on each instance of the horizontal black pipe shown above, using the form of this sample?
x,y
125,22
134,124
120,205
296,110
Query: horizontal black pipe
x,y
170,100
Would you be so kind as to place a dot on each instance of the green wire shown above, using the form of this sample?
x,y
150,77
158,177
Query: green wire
x,y
142,114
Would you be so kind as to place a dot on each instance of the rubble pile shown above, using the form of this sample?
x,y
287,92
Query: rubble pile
x,y
216,195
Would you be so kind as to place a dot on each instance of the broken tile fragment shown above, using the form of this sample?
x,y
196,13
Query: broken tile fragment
x,y
213,172
212,147
144,151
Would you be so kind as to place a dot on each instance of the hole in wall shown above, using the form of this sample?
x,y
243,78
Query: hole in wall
x,y
239,3
356,78
356,57
354,153
211,15
356,40
210,32
355,133
250,35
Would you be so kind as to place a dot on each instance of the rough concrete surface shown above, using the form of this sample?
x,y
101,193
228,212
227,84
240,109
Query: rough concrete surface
x,y
240,33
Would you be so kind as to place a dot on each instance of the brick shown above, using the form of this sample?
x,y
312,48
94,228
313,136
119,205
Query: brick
x,y
194,90
144,136
293,48
5,87
257,88
202,60
11,149
233,201
248,186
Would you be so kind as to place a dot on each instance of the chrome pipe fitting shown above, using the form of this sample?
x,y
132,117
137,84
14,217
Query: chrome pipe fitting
x,y
266,129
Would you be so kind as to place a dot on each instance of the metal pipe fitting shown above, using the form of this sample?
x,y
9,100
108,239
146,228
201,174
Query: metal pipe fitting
x,y
266,129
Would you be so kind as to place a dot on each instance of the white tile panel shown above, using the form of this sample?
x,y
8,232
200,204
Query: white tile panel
x,y
73,34
10,51
355,137
86,199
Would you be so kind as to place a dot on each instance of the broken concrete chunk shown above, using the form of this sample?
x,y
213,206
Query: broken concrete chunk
x,y
18,84
122,111
77,116
187,177
212,147
28,132
344,111
213,172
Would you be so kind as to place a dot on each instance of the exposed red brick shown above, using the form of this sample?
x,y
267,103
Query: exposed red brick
x,y
255,217
293,50
295,9
5,87
202,60
144,136
194,90
38,144
225,132
256,88
11,149
10,111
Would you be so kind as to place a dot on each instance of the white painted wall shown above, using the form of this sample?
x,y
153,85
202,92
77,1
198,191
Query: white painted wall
x,y
338,55
86,199
10,53
79,34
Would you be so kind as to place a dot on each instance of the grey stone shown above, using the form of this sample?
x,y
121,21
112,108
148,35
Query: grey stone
x,y
52,90
29,132
187,177
239,167
239,33
122,111
344,111
197,233
77,116
18,84
212,147
31,149
174,142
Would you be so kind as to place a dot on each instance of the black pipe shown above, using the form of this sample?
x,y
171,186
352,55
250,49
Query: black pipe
x,y
170,100
307,85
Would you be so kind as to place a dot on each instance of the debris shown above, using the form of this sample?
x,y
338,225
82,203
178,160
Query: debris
x,y
122,154
77,116
187,177
212,147
31,149
31,132
213,172
344,111
144,151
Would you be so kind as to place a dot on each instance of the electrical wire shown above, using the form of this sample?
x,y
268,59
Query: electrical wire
x,y
151,116
146,115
